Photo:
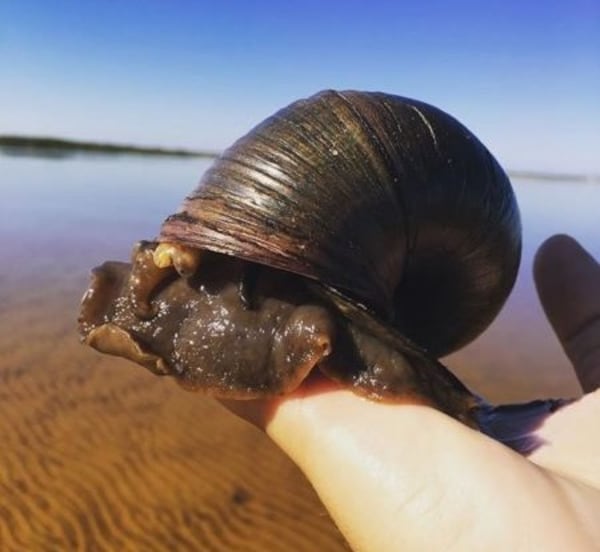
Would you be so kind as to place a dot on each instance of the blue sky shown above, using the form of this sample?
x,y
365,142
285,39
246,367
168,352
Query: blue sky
x,y
523,75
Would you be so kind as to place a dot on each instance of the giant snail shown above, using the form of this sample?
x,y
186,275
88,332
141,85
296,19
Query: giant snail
x,y
363,234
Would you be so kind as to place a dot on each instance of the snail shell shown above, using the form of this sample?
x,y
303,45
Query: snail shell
x,y
391,237
389,201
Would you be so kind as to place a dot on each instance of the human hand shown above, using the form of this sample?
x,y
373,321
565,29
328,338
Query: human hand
x,y
407,477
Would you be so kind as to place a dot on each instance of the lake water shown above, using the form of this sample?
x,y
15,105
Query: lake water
x,y
96,452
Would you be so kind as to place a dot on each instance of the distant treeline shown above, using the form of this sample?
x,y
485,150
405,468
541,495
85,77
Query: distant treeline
x,y
32,144
58,147
557,177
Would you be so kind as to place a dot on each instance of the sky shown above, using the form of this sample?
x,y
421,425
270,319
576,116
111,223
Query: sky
x,y
524,75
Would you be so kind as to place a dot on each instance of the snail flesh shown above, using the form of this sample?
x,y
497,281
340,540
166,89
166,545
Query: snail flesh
x,y
360,233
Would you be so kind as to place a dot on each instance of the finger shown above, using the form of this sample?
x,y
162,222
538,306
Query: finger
x,y
568,283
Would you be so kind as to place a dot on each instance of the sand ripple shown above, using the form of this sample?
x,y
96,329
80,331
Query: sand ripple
x,y
98,455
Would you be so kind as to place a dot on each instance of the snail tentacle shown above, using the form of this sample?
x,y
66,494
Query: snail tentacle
x,y
248,283
183,258
145,278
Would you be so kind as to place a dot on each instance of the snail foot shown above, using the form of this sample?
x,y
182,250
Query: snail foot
x,y
112,340
184,259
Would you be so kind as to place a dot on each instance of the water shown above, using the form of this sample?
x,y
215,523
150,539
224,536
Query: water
x,y
59,217
102,199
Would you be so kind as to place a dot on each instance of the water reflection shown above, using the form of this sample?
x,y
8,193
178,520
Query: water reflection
x,y
518,357
73,213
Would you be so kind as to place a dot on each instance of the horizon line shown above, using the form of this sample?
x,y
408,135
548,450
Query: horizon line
x,y
61,147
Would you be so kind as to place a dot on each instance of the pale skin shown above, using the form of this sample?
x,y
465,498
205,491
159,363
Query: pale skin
x,y
407,477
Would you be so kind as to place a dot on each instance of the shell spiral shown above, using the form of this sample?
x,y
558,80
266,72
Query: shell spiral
x,y
390,201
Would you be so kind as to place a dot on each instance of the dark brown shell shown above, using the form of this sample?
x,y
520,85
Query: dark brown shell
x,y
388,200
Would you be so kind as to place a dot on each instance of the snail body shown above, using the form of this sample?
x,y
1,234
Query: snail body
x,y
363,233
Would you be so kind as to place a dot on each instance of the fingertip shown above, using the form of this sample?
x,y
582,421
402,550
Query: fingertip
x,y
549,266
568,283
556,252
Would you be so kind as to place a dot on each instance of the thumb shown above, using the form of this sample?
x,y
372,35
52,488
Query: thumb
x,y
388,473
568,282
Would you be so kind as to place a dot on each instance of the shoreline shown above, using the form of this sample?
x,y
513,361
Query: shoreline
x,y
59,148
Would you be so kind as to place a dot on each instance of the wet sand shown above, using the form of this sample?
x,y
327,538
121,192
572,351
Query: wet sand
x,y
97,454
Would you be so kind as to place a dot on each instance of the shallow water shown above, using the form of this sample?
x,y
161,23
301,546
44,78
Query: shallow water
x,y
99,454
